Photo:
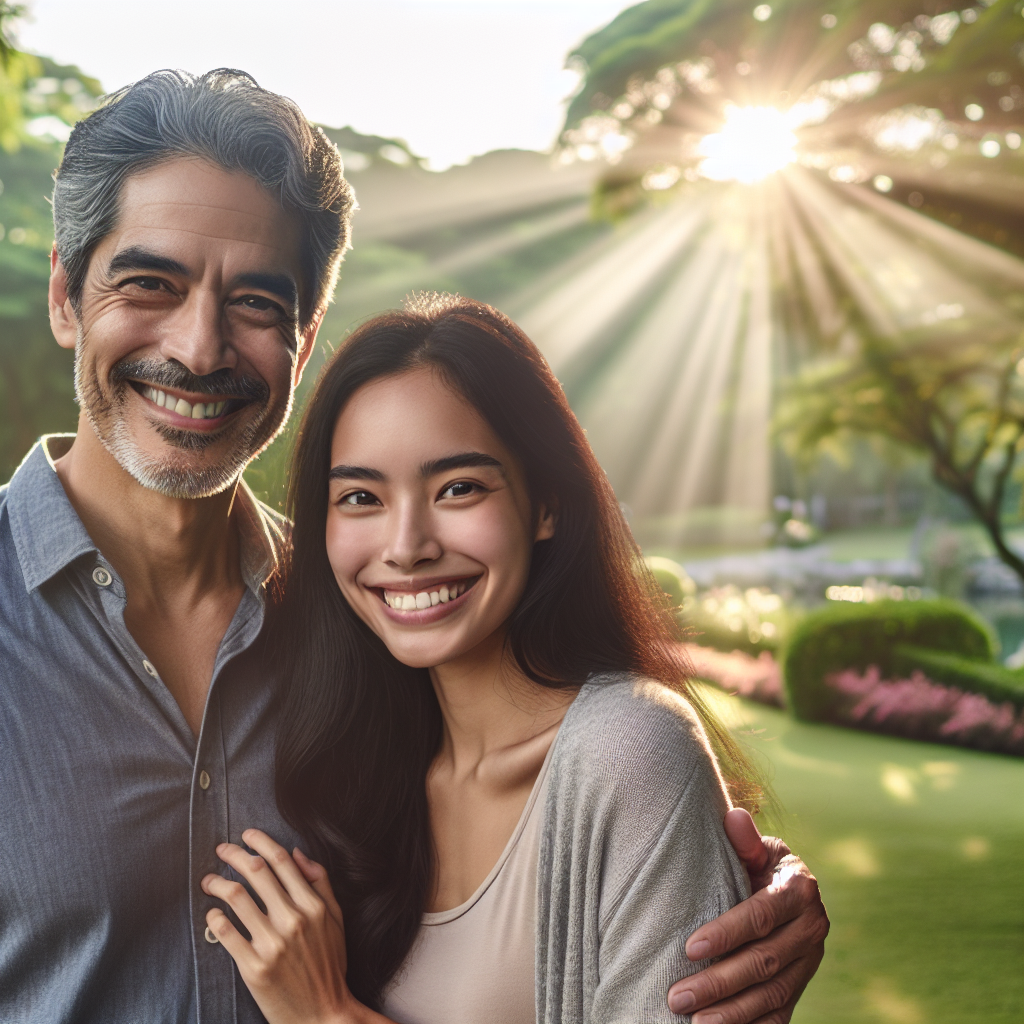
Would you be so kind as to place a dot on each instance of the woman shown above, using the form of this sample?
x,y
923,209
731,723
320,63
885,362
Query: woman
x,y
486,736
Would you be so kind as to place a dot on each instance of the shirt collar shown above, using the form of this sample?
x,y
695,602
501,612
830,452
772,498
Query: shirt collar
x,y
49,536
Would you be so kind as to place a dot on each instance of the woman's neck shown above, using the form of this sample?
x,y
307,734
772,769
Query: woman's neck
x,y
493,714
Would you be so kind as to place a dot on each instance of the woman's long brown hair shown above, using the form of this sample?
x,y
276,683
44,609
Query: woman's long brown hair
x,y
359,730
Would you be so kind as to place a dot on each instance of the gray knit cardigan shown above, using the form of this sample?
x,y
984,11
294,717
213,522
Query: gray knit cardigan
x,y
633,855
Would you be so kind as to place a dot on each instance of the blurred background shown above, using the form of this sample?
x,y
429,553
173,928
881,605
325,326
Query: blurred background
x,y
775,254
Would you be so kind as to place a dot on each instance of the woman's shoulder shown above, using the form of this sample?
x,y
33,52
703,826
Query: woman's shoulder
x,y
616,715
626,732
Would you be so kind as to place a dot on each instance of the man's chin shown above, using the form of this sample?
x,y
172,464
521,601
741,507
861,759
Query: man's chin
x,y
185,464
189,440
178,477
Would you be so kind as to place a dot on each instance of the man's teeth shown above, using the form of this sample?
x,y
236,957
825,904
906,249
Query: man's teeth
x,y
199,411
406,602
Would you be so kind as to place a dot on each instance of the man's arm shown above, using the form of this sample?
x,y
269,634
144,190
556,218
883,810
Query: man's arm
x,y
771,943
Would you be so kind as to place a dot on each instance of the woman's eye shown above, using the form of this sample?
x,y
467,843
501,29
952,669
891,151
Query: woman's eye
x,y
459,490
359,498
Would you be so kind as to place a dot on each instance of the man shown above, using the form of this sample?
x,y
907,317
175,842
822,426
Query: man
x,y
199,225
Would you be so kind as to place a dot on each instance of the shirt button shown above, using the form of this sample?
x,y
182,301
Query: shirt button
x,y
101,577
210,937
204,780
148,666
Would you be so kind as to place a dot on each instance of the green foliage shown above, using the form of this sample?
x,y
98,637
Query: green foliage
x,y
36,377
793,47
956,397
729,619
710,631
988,678
673,579
845,635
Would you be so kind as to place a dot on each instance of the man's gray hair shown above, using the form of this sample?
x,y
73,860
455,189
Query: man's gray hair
x,y
226,118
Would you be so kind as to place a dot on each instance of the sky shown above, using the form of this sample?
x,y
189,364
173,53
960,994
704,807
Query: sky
x,y
453,78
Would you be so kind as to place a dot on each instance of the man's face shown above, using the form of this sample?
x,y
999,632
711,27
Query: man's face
x,y
188,344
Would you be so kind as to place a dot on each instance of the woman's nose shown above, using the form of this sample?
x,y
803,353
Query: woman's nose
x,y
412,540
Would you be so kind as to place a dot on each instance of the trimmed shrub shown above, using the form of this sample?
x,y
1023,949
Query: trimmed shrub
x,y
672,578
990,679
855,636
709,631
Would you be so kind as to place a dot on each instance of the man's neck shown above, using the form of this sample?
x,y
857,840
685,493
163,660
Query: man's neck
x,y
165,549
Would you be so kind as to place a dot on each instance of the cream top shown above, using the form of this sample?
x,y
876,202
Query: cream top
x,y
476,962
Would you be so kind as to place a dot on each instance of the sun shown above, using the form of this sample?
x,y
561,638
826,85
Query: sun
x,y
753,143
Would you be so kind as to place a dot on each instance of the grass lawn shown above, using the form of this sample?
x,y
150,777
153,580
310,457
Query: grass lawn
x,y
919,850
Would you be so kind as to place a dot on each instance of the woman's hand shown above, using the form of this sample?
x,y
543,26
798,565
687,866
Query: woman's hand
x,y
295,964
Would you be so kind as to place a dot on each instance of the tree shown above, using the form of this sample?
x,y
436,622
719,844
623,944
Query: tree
x,y
39,101
958,400
891,225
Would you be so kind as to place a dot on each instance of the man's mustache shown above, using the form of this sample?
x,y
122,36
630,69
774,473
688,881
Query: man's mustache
x,y
161,374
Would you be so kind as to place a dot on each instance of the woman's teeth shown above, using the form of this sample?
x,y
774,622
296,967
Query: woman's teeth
x,y
199,411
406,602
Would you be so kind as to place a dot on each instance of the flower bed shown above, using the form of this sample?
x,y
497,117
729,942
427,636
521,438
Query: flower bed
x,y
922,709
739,673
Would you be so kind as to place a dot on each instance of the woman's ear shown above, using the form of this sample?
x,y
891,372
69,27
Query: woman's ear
x,y
547,519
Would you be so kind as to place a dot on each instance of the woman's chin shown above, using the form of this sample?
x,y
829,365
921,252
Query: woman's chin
x,y
425,656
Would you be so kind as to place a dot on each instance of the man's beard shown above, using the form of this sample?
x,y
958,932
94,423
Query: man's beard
x,y
171,476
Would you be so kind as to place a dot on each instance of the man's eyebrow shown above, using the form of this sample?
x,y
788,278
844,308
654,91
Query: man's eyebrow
x,y
137,258
464,460
343,472
276,284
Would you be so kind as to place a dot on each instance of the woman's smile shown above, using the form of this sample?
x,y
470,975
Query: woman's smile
x,y
425,596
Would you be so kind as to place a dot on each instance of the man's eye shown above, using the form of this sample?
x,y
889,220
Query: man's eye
x,y
459,490
261,303
149,284
359,498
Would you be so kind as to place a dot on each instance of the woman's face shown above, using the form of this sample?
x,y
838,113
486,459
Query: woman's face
x,y
429,527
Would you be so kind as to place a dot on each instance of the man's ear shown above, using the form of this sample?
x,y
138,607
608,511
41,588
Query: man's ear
x,y
63,321
547,520
307,339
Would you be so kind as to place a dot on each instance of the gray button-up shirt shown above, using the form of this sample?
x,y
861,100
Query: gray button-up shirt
x,y
110,809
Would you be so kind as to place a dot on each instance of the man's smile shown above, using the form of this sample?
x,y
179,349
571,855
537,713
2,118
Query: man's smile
x,y
181,406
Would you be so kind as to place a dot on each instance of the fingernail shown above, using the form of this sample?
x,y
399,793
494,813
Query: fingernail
x,y
714,1018
698,950
221,847
682,1002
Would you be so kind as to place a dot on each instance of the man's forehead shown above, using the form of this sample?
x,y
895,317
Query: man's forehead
x,y
203,203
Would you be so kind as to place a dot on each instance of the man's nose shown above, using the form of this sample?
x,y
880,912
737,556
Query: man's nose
x,y
196,335
411,540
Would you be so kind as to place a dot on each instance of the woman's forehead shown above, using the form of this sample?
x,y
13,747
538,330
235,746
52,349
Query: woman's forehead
x,y
409,418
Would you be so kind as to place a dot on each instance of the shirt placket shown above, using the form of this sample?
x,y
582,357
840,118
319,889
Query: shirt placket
x,y
209,826
208,799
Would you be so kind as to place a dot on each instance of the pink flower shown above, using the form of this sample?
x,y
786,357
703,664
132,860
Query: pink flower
x,y
920,708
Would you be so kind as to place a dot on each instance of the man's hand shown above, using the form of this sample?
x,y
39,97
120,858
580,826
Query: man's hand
x,y
775,939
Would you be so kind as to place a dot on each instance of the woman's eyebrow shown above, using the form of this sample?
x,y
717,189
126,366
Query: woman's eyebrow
x,y
355,473
465,460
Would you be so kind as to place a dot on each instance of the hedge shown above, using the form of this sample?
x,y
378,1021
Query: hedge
x,y
991,680
854,636
706,630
